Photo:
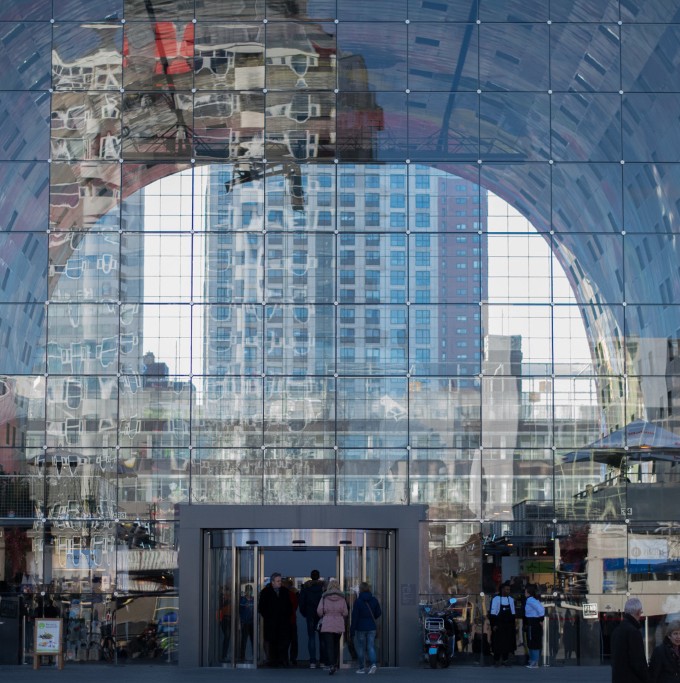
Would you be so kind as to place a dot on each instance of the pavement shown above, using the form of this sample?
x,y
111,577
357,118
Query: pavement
x,y
141,673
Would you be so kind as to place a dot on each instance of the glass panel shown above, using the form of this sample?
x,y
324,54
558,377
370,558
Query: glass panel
x,y
23,339
74,10
230,412
161,9
646,189
81,412
440,11
654,10
298,476
599,114
502,137
585,10
642,255
97,61
372,476
84,267
587,197
513,10
446,480
81,195
16,147
584,57
638,112
442,57
299,412
227,476
300,340
25,201
245,582
430,326
239,9
27,51
373,55
371,126
514,56
298,56
443,126
445,413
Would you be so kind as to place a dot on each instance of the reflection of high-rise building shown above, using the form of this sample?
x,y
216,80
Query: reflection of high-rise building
x,y
446,266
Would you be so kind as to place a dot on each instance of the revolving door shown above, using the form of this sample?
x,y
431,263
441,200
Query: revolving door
x,y
237,564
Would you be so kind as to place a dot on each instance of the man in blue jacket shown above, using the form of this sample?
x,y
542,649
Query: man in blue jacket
x,y
363,627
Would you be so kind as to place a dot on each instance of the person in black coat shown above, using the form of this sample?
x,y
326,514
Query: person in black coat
x,y
276,609
664,666
629,664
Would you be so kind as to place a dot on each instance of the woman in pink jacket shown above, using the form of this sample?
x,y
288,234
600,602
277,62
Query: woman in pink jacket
x,y
333,610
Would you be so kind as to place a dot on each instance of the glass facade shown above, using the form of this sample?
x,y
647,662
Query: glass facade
x,y
329,252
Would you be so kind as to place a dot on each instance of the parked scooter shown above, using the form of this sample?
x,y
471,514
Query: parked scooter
x,y
439,638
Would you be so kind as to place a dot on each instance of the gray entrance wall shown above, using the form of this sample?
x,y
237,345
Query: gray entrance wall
x,y
404,520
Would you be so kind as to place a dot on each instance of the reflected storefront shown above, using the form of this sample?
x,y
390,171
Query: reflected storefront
x,y
329,255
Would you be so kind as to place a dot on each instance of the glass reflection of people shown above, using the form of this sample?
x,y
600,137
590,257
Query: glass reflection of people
x,y
246,616
224,618
275,608
569,634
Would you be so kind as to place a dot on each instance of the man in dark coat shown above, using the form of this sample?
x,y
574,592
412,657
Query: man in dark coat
x,y
629,664
310,595
276,609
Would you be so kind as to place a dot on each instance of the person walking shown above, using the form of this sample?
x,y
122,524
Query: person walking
x,y
275,608
363,627
629,663
309,598
294,600
534,613
502,618
332,610
246,613
664,666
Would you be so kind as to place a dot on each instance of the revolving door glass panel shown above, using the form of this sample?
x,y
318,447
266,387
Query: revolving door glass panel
x,y
238,564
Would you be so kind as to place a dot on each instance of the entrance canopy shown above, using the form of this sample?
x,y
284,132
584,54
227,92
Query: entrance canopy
x,y
639,440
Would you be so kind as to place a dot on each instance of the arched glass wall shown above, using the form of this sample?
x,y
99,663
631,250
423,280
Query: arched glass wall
x,y
262,253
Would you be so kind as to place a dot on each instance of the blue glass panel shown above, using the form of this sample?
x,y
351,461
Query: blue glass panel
x,y
25,195
513,10
585,10
649,127
29,10
649,193
378,10
442,57
372,56
584,57
586,127
26,49
513,56
587,197
651,58
650,10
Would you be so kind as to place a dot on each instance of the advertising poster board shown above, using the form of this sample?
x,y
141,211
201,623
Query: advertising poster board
x,y
48,640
